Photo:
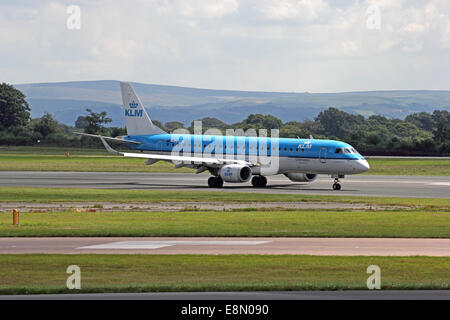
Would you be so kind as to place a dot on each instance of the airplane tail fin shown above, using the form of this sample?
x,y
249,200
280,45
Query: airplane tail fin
x,y
136,118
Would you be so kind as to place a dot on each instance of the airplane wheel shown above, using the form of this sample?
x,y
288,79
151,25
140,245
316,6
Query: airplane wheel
x,y
259,181
263,181
219,182
336,186
215,182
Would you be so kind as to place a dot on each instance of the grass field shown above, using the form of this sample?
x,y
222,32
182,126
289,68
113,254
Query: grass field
x,y
29,194
409,167
54,159
139,273
304,223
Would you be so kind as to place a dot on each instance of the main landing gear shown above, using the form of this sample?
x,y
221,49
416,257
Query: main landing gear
x,y
215,182
259,181
336,184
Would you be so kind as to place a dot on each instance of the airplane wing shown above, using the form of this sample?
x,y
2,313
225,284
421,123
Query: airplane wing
x,y
197,160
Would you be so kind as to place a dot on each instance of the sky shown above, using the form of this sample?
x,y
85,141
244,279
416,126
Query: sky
x,y
260,45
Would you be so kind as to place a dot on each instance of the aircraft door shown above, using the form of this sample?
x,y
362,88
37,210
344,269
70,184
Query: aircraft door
x,y
323,154
160,145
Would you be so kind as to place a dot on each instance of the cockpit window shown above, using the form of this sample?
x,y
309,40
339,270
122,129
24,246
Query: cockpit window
x,y
354,151
347,150
338,150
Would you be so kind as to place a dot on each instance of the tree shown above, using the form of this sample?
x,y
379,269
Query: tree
x,y
116,131
441,120
173,125
45,125
259,121
14,110
81,122
208,123
294,129
422,120
95,122
339,123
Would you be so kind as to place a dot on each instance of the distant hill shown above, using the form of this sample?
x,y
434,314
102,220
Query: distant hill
x,y
67,100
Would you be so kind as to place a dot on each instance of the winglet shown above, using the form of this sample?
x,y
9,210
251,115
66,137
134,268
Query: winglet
x,y
108,147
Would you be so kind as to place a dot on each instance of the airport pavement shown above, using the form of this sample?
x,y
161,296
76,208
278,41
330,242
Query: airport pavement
x,y
359,185
234,245
261,296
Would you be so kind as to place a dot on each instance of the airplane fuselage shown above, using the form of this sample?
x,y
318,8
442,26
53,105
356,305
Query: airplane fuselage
x,y
293,155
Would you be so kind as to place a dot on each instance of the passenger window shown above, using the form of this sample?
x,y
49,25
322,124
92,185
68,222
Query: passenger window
x,y
290,149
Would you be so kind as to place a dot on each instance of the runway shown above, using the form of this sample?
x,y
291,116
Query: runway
x,y
178,245
358,185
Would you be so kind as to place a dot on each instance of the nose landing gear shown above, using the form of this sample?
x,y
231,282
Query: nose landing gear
x,y
336,184
259,181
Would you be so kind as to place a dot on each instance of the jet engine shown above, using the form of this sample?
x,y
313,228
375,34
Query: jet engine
x,y
301,177
235,173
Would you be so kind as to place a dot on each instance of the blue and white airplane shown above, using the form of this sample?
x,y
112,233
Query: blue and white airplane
x,y
235,159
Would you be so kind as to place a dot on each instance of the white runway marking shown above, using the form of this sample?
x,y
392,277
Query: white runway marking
x,y
440,184
161,244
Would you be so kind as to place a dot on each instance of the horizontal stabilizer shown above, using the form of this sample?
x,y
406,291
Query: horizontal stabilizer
x,y
109,138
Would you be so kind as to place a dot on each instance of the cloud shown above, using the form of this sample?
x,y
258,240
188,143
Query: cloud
x,y
284,45
301,10
413,27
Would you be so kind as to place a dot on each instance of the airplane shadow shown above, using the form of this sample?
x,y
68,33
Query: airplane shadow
x,y
290,187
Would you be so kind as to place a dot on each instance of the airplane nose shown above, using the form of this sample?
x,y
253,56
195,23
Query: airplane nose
x,y
363,165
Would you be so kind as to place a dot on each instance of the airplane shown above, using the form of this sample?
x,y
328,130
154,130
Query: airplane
x,y
233,159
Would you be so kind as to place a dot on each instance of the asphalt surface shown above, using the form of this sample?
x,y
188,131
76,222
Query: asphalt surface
x,y
229,296
235,245
360,185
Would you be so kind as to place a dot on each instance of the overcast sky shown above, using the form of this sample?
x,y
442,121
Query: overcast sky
x,y
269,45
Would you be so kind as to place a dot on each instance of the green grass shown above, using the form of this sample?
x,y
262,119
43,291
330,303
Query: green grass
x,y
409,167
39,150
29,194
140,273
81,163
91,160
304,223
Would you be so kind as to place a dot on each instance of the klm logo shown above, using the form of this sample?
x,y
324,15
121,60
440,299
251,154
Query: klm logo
x,y
133,113
305,145
228,173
